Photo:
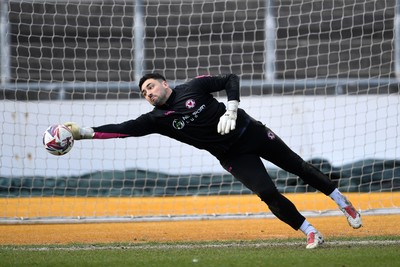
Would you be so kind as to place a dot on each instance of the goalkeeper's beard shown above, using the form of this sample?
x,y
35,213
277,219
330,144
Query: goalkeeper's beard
x,y
158,100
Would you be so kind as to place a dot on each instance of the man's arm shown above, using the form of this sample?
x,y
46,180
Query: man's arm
x,y
138,127
102,132
231,84
228,82
232,87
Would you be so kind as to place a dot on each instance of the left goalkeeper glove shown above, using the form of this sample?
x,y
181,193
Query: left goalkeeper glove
x,y
227,122
78,132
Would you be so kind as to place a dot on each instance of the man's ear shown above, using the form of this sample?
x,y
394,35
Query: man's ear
x,y
165,84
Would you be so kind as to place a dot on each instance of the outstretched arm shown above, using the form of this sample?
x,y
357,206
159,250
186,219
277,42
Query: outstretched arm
x,y
94,132
140,126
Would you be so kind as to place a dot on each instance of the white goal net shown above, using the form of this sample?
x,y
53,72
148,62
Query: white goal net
x,y
321,73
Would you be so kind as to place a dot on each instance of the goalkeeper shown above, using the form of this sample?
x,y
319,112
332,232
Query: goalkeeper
x,y
189,113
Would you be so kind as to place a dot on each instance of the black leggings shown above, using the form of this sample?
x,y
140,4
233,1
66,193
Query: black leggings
x,y
244,162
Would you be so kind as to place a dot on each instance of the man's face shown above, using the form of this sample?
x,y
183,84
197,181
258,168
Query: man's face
x,y
155,91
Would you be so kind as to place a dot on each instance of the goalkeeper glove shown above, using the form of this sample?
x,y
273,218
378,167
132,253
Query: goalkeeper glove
x,y
78,132
227,122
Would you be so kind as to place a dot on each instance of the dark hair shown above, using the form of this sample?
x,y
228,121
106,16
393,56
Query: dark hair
x,y
155,76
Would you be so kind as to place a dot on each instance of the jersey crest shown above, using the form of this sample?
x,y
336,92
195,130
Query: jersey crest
x,y
190,103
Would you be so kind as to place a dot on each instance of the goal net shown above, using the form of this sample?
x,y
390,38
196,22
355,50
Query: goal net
x,y
321,73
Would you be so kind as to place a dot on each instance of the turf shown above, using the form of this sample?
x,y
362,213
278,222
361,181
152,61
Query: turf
x,y
339,252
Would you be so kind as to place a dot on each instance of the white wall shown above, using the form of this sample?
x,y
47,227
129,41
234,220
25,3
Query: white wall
x,y
341,129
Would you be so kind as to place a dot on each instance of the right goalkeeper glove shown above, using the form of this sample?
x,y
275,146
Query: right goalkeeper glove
x,y
78,132
227,122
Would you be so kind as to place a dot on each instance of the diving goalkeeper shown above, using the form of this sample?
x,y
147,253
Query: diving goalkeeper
x,y
189,113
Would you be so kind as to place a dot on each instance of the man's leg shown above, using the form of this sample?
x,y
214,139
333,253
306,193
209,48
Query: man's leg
x,y
250,170
282,156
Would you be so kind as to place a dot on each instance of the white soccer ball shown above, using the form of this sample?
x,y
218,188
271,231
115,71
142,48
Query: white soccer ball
x,y
58,139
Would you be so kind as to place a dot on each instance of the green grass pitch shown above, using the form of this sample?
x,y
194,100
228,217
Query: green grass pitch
x,y
378,251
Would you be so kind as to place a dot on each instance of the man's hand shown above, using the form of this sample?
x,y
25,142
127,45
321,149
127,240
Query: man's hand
x,y
227,122
78,132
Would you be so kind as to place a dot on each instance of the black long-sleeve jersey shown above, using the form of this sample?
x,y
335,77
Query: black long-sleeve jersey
x,y
190,115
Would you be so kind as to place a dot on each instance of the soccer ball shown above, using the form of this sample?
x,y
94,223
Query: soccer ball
x,y
58,139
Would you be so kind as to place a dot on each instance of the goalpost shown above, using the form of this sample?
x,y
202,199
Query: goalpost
x,y
323,74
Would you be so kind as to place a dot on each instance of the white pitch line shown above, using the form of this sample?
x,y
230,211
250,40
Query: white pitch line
x,y
199,246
